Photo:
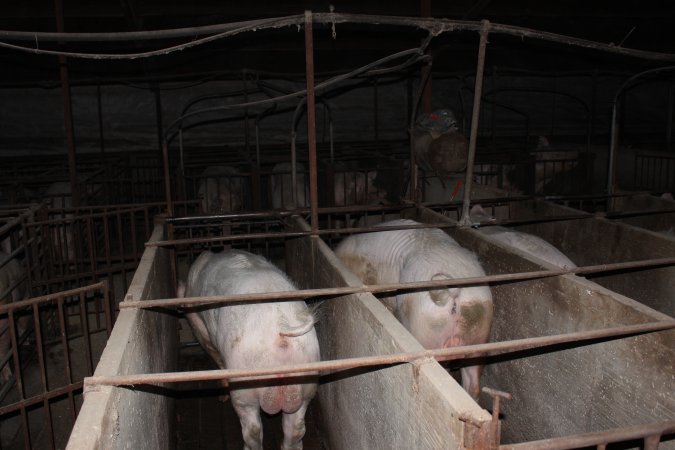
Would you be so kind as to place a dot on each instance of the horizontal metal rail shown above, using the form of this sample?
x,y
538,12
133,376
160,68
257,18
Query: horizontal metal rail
x,y
444,354
56,295
351,230
598,438
387,288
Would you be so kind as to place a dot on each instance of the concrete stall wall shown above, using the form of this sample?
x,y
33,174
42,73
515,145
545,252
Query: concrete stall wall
x,y
600,241
660,222
141,342
594,387
403,406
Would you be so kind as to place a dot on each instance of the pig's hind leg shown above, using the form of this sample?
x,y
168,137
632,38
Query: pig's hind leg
x,y
251,425
294,428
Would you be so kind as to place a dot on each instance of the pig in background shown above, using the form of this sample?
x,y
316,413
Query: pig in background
x,y
255,335
525,242
438,318
221,190
13,288
356,187
281,185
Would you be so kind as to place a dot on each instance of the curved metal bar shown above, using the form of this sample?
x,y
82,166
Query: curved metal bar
x,y
614,135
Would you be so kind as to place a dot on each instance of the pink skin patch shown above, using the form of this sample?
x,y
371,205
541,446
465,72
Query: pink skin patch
x,y
453,341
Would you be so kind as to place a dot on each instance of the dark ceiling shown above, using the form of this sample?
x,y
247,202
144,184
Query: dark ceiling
x,y
637,25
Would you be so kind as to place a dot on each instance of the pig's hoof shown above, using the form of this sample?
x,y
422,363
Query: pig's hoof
x,y
224,398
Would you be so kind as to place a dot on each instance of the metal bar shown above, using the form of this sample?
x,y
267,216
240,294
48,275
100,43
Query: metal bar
x,y
311,122
19,378
437,25
167,179
392,287
43,374
66,351
614,134
58,392
596,438
43,298
351,230
100,117
86,337
443,354
67,109
478,90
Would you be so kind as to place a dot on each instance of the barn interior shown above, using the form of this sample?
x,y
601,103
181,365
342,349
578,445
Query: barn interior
x,y
217,125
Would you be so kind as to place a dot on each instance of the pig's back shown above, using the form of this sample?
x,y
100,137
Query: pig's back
x,y
249,334
535,246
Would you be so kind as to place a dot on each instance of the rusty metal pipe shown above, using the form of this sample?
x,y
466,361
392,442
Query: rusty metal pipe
x,y
67,110
386,288
475,114
311,122
443,354
597,438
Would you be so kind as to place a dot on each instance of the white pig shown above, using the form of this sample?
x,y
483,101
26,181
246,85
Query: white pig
x,y
255,335
220,190
282,187
357,188
525,242
438,318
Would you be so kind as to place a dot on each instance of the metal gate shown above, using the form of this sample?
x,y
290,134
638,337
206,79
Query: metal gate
x,y
50,344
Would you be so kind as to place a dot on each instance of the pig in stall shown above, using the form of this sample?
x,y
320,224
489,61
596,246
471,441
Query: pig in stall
x,y
438,318
281,184
221,190
525,242
255,335
12,289
354,187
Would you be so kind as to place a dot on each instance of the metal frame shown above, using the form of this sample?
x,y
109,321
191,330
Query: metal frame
x,y
73,310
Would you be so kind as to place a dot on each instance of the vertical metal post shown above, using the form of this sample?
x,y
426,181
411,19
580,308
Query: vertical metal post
x,y
67,111
100,118
246,131
376,111
613,147
494,108
427,103
167,181
669,123
158,112
311,121
478,92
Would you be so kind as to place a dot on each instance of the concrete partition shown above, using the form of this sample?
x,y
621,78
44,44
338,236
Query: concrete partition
x,y
415,406
656,222
568,390
594,241
141,342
